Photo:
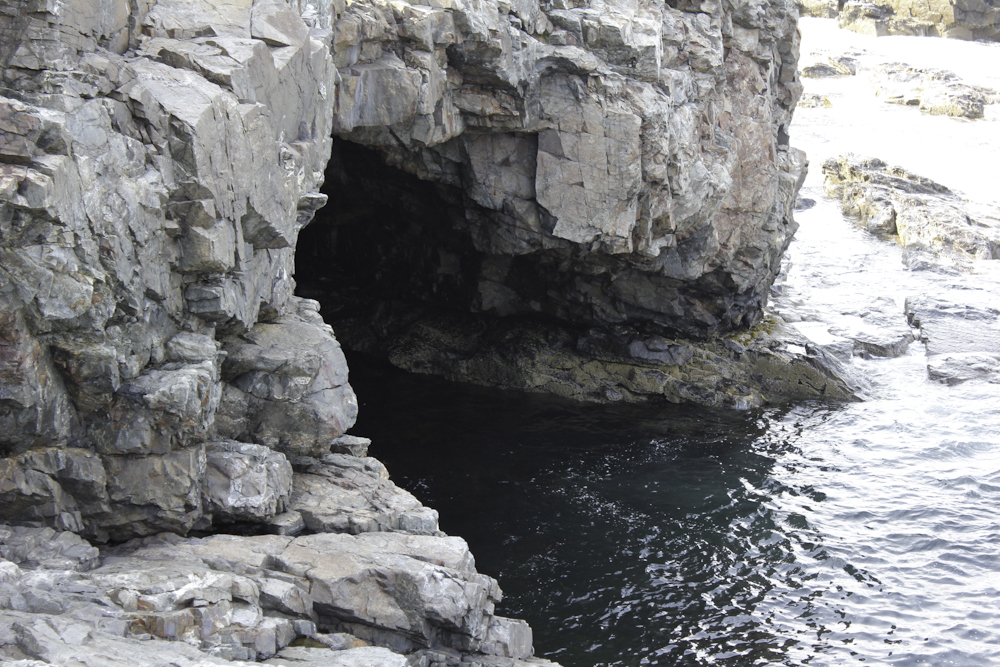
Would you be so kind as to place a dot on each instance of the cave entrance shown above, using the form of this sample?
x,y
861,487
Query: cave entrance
x,y
386,240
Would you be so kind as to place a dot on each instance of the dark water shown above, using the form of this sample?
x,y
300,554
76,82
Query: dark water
x,y
683,536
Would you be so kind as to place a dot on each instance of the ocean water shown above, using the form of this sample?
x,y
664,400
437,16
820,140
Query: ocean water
x,y
811,534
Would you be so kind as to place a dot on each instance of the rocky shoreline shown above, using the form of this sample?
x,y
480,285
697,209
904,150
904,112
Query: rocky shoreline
x,y
176,485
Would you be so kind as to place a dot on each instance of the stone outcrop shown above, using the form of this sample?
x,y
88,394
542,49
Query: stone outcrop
x,y
631,157
937,92
919,212
158,161
224,600
959,19
620,171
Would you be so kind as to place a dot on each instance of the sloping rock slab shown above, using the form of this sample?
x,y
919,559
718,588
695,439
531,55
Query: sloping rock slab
x,y
922,213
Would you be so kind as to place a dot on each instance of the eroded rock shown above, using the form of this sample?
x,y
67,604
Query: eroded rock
x,y
248,598
959,19
922,213
936,92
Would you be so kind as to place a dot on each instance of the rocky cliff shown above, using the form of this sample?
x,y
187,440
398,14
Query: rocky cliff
x,y
615,176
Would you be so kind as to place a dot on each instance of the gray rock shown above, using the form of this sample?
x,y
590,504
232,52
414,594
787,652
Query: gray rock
x,y
153,184
287,385
958,367
46,548
350,444
937,92
566,104
354,495
922,213
836,66
962,338
879,19
286,523
825,9
245,482
154,492
53,487
880,331
767,365
367,656
959,19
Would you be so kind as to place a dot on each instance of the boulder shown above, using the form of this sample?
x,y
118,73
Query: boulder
x,y
286,385
348,494
245,482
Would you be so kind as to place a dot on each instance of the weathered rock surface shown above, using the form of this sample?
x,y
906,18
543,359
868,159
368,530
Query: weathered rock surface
x,y
286,385
226,598
936,92
920,212
832,66
609,166
632,159
824,9
767,365
959,19
158,161
341,493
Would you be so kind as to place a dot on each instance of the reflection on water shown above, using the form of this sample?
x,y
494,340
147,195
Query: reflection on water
x,y
815,535
810,535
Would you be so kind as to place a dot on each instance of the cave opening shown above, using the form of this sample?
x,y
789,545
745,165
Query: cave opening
x,y
418,272
384,237
393,263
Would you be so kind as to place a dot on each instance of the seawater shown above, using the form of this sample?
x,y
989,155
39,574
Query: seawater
x,y
811,534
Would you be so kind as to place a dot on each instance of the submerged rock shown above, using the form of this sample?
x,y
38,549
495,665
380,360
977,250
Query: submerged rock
x,y
962,339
